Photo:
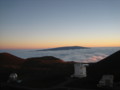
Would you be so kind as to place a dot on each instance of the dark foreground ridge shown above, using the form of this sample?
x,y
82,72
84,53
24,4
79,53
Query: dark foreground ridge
x,y
108,66
10,61
64,48
51,73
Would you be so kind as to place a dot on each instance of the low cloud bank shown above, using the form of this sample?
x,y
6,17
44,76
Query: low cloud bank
x,y
79,55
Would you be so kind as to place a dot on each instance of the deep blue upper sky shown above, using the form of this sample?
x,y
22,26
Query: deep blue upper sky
x,y
51,23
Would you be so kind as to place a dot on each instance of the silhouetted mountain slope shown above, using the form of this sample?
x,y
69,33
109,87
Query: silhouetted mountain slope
x,y
64,48
113,59
109,65
9,60
46,59
9,64
48,62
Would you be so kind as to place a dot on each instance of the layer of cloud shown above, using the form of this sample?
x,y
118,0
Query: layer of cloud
x,y
80,55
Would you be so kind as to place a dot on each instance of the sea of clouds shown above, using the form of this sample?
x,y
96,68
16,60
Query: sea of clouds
x,y
78,55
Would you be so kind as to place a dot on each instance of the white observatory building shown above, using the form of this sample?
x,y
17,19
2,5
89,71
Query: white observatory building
x,y
80,70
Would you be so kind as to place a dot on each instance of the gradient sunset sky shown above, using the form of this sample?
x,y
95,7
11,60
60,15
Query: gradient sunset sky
x,y
29,24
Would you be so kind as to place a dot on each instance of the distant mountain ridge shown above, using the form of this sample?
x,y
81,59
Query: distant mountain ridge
x,y
64,48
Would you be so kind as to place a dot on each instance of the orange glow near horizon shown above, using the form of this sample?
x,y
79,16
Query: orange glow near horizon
x,y
58,42
42,46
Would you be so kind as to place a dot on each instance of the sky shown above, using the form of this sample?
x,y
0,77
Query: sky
x,y
32,24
